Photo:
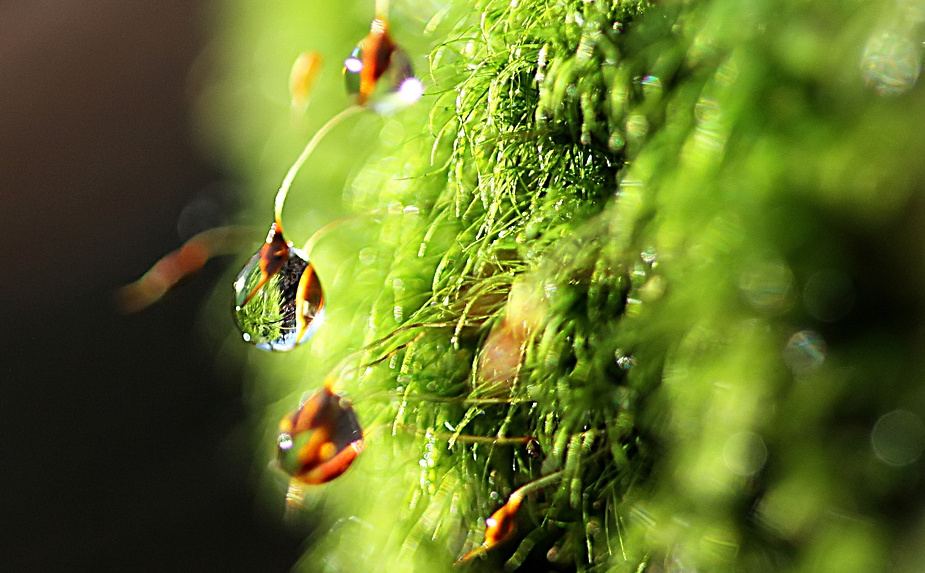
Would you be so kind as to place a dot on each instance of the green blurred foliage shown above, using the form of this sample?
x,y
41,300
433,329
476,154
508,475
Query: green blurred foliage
x,y
709,216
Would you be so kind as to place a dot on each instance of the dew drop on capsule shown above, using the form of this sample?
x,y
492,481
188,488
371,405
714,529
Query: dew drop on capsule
x,y
378,73
279,303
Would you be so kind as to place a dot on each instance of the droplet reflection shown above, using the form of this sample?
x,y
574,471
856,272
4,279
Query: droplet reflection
x,y
320,440
279,303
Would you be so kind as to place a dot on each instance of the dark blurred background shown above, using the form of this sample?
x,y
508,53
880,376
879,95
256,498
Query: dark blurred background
x,y
115,429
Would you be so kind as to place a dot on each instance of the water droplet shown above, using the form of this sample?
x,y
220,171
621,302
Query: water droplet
x,y
368,256
651,86
745,453
898,438
623,361
767,285
891,63
804,352
320,440
278,297
379,74
550,289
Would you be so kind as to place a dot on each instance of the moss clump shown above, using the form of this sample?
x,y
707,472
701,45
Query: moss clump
x,y
666,241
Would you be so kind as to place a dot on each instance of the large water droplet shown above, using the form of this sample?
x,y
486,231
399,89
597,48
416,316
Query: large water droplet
x,y
320,440
379,74
279,303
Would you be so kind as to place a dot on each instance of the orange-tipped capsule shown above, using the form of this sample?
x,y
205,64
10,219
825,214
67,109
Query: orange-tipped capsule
x,y
279,302
500,527
302,79
378,73
320,440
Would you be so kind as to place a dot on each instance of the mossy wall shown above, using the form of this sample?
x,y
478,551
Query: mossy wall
x,y
678,244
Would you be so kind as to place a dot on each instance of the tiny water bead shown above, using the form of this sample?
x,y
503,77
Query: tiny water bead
x,y
898,438
375,58
319,441
804,352
279,302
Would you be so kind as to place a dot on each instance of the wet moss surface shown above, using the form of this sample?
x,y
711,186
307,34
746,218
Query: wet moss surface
x,y
665,252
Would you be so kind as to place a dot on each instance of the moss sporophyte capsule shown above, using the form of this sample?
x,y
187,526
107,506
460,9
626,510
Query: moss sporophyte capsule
x,y
279,302
320,440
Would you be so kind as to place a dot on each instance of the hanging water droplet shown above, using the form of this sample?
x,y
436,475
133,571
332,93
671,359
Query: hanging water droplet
x,y
377,57
320,440
278,297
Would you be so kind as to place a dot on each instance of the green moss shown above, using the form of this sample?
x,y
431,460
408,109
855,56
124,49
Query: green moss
x,y
702,210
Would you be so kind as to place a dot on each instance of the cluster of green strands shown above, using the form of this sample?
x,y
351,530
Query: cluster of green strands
x,y
710,205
